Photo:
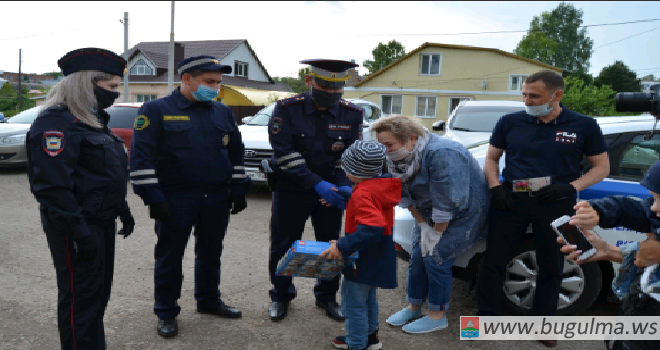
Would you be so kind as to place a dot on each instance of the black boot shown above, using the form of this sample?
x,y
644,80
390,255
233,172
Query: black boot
x,y
167,327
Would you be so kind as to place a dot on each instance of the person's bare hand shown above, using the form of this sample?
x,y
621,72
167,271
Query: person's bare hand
x,y
332,252
585,216
602,249
649,252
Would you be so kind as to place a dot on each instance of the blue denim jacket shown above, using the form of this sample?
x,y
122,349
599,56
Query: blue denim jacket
x,y
635,215
450,186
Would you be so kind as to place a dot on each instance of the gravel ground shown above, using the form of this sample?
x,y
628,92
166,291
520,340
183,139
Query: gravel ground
x,y
28,291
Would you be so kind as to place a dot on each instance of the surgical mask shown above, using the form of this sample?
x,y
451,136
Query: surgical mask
x,y
204,93
398,155
325,99
540,111
104,98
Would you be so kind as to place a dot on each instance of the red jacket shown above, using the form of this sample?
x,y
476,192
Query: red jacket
x,y
369,222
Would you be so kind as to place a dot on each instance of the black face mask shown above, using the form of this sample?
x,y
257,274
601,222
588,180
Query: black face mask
x,y
104,98
325,99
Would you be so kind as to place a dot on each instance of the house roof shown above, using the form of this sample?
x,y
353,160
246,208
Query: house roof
x,y
226,80
450,46
158,52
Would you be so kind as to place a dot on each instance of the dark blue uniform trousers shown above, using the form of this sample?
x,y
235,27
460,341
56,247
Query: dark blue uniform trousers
x,y
506,229
209,215
83,288
290,211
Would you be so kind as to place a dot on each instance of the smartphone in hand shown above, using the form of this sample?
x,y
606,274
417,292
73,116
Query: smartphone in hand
x,y
574,236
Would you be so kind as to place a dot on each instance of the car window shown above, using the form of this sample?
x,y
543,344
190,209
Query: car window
x,y
585,165
371,113
122,117
263,116
479,118
26,117
638,157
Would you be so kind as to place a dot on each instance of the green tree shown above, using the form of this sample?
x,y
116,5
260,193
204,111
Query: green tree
x,y
619,77
555,38
54,74
588,99
383,55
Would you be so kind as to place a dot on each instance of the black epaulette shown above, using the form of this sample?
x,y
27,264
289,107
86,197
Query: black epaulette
x,y
347,104
291,100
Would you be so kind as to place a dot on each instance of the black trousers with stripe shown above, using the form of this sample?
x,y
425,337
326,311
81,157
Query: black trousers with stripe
x,y
290,211
83,288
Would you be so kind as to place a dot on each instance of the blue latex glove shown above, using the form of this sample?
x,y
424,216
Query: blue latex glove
x,y
346,192
327,191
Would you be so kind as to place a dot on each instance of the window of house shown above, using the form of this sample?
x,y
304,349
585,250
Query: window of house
x,y
426,106
453,103
430,64
141,68
240,69
391,104
516,82
144,98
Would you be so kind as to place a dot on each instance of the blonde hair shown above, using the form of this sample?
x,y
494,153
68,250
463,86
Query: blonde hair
x,y
76,91
401,127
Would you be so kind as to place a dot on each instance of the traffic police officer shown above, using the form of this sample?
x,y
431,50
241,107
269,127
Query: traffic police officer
x,y
187,166
544,147
309,133
78,173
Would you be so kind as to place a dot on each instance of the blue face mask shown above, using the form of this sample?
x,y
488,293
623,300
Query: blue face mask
x,y
204,93
540,111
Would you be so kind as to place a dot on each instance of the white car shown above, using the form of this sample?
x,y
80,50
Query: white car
x,y
630,157
472,122
255,136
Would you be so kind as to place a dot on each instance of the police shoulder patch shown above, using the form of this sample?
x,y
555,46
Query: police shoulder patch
x,y
276,125
53,142
141,122
350,105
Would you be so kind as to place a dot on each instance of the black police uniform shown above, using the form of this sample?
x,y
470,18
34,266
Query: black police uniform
x,y
534,149
78,174
308,144
189,155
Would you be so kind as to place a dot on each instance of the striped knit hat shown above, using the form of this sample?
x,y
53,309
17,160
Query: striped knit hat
x,y
364,159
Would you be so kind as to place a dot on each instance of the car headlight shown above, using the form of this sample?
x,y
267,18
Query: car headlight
x,y
12,139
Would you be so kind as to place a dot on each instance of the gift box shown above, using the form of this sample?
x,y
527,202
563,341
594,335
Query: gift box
x,y
302,260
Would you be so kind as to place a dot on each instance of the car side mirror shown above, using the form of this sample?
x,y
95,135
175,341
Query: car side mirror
x,y
246,120
438,126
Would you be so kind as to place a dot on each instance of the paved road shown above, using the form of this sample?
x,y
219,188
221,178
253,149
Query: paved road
x,y
28,291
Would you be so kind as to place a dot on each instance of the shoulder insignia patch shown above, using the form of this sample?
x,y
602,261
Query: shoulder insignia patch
x,y
347,104
53,142
141,122
291,100
276,125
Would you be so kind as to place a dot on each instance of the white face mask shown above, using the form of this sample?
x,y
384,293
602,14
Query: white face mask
x,y
540,111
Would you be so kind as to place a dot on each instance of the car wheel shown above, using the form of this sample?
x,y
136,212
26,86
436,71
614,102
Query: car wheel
x,y
580,285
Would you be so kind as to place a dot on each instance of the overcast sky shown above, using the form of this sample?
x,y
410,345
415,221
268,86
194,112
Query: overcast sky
x,y
283,33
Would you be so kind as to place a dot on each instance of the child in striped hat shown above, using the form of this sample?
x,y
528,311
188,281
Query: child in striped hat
x,y
369,221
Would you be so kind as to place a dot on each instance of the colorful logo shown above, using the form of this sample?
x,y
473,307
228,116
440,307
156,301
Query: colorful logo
x,y
469,327
141,122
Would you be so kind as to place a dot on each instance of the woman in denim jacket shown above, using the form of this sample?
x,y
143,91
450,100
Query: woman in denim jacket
x,y
446,192
638,280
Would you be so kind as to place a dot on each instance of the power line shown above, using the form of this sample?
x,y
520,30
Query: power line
x,y
65,31
509,31
626,38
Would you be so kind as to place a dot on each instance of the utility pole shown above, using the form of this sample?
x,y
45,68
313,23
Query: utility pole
x,y
20,91
170,64
126,99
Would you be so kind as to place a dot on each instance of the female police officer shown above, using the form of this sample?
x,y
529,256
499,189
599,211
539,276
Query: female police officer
x,y
78,173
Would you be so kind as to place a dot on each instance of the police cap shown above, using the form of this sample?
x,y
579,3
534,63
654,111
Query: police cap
x,y
92,58
329,73
209,63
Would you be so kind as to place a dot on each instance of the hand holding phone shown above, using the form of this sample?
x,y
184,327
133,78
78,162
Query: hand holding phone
x,y
572,234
